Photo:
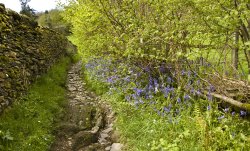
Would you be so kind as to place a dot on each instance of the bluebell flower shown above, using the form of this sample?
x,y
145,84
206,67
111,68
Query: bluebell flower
x,y
198,92
127,78
160,113
150,96
156,83
136,102
169,80
138,91
150,87
195,74
162,69
134,96
211,88
151,81
226,109
208,107
141,101
166,91
178,100
198,82
186,97
128,97
147,69
110,80
183,72
233,113
189,73
209,97
167,109
243,113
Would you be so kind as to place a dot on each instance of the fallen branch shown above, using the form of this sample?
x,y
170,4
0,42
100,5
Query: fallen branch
x,y
231,101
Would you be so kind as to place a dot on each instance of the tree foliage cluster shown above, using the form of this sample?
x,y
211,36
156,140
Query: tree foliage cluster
x,y
164,30
53,19
139,47
26,9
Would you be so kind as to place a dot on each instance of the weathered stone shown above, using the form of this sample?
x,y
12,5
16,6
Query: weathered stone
x,y
116,147
26,52
7,85
89,115
2,8
1,99
84,138
12,54
2,75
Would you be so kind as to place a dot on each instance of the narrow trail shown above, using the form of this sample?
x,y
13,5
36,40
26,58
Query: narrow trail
x,y
88,123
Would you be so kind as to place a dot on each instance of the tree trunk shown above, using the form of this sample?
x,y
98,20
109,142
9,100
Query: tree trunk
x,y
235,53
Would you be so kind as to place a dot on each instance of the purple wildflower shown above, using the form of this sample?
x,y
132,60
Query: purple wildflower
x,y
110,80
167,90
211,88
128,97
183,72
186,97
189,73
169,80
141,101
147,69
226,109
127,78
208,107
198,82
243,113
209,97
162,69
178,100
167,109
138,91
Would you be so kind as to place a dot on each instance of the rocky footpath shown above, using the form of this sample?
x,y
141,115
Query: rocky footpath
x,y
88,124
26,52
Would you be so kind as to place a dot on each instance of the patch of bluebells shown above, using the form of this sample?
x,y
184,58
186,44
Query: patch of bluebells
x,y
147,87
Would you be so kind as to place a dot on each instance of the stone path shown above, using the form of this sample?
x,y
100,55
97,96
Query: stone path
x,y
88,124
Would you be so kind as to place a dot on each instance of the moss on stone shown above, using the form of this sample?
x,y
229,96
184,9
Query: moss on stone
x,y
28,51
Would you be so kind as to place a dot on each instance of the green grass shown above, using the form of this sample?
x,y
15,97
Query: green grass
x,y
28,124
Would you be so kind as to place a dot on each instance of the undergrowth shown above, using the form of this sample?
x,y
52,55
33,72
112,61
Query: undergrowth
x,y
28,124
186,124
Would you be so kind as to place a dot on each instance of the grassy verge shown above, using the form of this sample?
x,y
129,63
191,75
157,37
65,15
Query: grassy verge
x,y
28,124
201,126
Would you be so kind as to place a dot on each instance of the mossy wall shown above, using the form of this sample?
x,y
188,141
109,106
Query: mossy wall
x,y
26,52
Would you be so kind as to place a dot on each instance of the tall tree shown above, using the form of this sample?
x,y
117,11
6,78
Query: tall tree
x,y
25,8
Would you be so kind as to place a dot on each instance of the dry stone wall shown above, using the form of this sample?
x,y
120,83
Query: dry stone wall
x,y
26,51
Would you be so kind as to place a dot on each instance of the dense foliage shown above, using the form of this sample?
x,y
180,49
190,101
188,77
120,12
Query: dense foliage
x,y
26,9
155,114
54,20
160,57
217,31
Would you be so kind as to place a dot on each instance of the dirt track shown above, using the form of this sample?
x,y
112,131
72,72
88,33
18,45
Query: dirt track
x,y
88,124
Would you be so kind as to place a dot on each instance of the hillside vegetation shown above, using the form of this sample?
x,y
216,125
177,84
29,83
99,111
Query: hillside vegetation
x,y
176,71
